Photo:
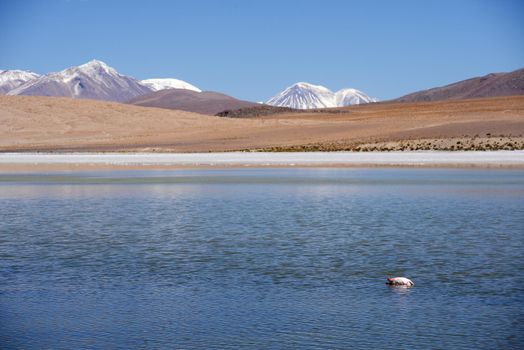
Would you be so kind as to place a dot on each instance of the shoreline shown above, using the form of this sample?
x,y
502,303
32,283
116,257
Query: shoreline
x,y
30,162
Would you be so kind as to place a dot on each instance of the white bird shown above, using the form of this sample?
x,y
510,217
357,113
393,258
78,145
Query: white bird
x,y
400,282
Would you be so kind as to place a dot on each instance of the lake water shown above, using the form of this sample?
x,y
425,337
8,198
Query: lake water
x,y
262,258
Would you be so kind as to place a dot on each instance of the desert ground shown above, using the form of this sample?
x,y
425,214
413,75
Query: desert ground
x,y
50,124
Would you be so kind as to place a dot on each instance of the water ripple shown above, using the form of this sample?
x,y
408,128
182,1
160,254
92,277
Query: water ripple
x,y
288,262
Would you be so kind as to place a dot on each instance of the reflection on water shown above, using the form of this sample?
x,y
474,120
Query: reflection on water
x,y
272,258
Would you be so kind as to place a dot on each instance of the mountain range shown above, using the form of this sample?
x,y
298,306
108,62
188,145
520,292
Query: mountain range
x,y
307,96
92,80
96,80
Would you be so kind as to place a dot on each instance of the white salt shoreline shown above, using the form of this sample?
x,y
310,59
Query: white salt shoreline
x,y
418,158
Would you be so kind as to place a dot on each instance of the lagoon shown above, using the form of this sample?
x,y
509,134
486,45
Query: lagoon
x,y
262,258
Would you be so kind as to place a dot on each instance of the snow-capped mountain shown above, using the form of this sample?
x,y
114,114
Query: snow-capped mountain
x,y
307,96
168,83
11,79
348,97
304,96
93,80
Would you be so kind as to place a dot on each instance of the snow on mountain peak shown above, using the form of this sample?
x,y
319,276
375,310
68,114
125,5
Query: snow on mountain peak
x,y
168,83
6,75
306,96
95,63
349,96
94,80
11,79
96,67
304,85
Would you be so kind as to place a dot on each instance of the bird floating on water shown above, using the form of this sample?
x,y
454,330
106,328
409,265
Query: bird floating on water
x,y
400,282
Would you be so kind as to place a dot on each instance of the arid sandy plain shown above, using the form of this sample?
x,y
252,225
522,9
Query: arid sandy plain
x,y
49,124
30,123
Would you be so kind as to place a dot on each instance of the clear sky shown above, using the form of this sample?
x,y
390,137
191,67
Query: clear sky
x,y
252,49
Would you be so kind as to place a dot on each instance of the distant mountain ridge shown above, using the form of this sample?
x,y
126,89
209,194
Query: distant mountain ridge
x,y
96,80
308,96
490,85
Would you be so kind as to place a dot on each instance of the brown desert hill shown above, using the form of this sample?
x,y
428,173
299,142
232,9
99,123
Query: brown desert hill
x,y
491,85
206,102
37,123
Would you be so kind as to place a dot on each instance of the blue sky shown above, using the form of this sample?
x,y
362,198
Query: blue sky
x,y
253,49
